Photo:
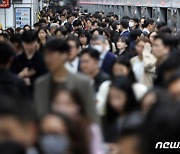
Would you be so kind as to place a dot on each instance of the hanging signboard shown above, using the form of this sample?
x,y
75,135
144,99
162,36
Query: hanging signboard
x,y
22,16
5,3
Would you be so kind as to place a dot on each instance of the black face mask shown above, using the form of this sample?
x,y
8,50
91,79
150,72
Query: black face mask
x,y
54,144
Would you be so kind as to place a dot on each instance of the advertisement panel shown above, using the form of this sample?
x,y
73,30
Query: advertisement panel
x,y
22,16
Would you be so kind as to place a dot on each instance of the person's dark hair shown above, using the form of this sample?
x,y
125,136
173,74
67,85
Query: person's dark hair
x,y
171,64
37,24
73,38
6,53
135,19
148,22
99,30
116,16
142,38
165,30
76,133
125,85
93,53
124,23
114,25
62,30
42,28
126,18
42,21
77,23
17,106
160,24
5,36
63,14
123,60
9,147
85,33
57,45
98,23
17,30
29,36
26,26
135,33
16,38
10,31
166,39
161,125
125,40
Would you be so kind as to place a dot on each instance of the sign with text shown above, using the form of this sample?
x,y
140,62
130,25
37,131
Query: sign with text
x,y
5,3
22,16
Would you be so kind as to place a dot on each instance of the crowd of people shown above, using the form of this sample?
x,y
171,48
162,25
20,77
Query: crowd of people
x,y
83,83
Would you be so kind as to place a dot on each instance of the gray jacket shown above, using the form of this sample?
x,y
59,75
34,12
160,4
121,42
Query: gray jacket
x,y
80,82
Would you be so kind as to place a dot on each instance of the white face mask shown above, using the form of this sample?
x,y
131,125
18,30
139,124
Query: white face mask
x,y
98,48
131,24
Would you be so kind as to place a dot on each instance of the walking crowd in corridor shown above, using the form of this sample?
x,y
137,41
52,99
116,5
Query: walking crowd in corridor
x,y
89,83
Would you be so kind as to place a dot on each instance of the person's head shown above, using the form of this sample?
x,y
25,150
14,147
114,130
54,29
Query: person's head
x,y
74,47
152,36
162,45
121,99
99,43
133,23
149,24
66,134
27,27
140,43
77,24
84,37
128,141
53,28
124,24
36,26
42,34
141,22
56,54
135,33
122,67
161,124
63,17
45,17
159,25
68,101
96,32
89,61
4,37
70,18
61,32
16,41
6,55
168,68
152,97
43,22
17,121
122,43
95,24
116,26
165,30
29,41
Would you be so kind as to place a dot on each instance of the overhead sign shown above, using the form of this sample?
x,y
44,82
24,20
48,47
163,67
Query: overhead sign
x,y
5,3
22,16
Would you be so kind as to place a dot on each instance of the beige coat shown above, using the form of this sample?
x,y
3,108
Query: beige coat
x,y
149,63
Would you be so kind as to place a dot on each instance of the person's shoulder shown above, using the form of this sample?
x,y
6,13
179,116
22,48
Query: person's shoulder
x,y
43,78
110,54
80,77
